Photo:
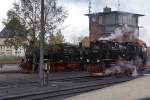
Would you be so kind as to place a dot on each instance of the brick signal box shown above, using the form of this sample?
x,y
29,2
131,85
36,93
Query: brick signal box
x,y
104,23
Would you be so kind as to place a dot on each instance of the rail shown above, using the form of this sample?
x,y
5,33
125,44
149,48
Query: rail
x,y
66,91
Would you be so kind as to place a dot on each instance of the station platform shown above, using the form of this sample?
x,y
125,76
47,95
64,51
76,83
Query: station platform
x,y
138,89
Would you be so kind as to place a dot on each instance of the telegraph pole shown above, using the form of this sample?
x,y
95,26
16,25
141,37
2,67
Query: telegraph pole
x,y
41,72
118,5
90,20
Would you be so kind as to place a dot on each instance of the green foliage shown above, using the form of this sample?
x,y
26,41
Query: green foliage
x,y
56,39
15,33
15,26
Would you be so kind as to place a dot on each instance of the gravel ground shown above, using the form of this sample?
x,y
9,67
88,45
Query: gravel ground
x,y
138,89
9,68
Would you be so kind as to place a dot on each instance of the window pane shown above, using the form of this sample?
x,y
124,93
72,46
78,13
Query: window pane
x,y
100,20
110,19
120,20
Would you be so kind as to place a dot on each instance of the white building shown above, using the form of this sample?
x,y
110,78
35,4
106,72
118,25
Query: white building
x,y
8,50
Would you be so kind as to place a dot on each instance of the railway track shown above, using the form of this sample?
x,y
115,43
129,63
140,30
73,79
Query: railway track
x,y
30,82
62,93
27,82
14,84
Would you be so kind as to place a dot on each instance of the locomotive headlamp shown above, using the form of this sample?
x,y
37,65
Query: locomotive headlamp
x,y
98,60
143,49
87,60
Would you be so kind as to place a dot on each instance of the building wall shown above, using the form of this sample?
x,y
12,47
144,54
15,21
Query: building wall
x,y
8,50
85,42
101,25
11,51
96,29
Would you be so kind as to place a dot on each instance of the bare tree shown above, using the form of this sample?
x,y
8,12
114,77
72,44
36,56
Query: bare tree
x,y
28,13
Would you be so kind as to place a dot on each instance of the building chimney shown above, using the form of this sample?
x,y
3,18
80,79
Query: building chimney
x,y
107,9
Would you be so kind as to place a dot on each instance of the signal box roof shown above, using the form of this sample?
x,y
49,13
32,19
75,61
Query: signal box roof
x,y
114,12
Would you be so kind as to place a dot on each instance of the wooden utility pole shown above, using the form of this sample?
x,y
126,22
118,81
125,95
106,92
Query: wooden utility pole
x,y
41,72
89,20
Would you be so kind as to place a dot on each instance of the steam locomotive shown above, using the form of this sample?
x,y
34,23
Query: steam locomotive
x,y
108,57
104,57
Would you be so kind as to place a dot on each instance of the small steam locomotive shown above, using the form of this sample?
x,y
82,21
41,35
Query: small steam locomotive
x,y
108,57
103,57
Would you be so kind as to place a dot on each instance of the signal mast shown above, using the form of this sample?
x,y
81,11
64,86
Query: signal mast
x,y
89,18
118,5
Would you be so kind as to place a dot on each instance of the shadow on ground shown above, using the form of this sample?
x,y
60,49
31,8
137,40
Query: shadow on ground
x,y
146,98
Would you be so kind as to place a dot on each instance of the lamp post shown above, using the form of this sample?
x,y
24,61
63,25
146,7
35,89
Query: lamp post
x,y
41,72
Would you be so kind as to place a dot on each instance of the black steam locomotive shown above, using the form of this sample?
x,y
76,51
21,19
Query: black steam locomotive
x,y
103,54
96,58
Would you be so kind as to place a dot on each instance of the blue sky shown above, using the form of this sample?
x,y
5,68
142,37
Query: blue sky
x,y
77,24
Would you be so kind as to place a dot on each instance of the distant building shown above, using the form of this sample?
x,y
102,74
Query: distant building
x,y
85,42
9,50
104,23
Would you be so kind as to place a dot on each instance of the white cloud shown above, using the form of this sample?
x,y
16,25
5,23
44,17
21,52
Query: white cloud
x,y
78,24
142,6
5,5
